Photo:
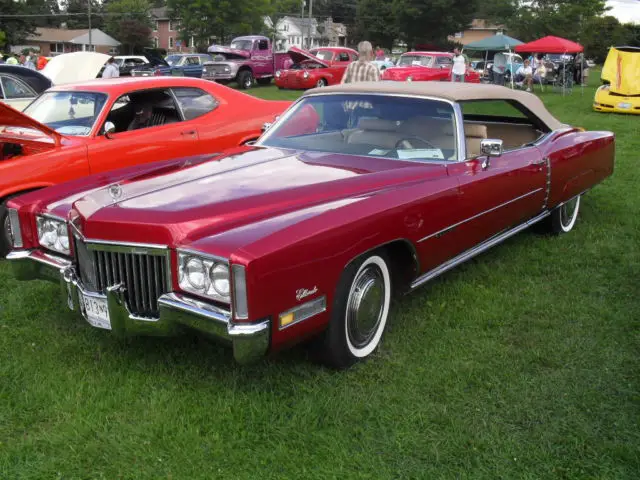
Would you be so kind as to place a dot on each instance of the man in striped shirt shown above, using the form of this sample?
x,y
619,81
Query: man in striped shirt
x,y
362,70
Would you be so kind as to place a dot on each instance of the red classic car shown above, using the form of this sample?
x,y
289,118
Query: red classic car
x,y
75,130
317,68
426,66
356,192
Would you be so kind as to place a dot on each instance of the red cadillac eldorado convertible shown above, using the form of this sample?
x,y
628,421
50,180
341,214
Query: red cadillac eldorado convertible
x,y
426,66
356,192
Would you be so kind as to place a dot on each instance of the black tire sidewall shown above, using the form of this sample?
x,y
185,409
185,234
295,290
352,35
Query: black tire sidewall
x,y
4,246
335,351
242,79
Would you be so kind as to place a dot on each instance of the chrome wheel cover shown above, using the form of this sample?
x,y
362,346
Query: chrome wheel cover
x,y
365,306
7,231
321,83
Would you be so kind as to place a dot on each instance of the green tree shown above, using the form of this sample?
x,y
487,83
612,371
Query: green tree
x,y
16,29
3,38
376,21
601,33
80,9
129,22
422,21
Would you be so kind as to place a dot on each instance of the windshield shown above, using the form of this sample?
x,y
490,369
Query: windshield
x,y
556,57
242,44
368,125
322,54
173,59
422,60
68,113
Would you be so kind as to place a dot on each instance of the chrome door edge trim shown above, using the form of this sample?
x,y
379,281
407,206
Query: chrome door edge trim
x,y
478,249
451,227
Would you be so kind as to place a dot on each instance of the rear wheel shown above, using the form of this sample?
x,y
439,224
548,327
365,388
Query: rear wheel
x,y
321,83
245,79
359,313
564,217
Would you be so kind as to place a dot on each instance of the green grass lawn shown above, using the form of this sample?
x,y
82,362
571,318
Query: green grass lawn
x,y
522,364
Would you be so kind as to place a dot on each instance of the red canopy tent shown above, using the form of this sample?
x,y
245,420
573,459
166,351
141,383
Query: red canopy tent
x,y
550,44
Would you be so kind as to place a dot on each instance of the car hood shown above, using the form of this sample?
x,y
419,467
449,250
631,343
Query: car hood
x,y
74,67
182,206
402,72
12,121
229,53
298,55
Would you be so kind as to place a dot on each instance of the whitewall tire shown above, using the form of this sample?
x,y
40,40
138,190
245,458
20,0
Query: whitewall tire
x,y
563,218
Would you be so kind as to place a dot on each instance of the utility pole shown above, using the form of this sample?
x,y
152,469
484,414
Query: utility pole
x,y
310,13
90,42
302,23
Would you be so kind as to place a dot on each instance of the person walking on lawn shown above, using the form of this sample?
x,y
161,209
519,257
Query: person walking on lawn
x,y
459,67
362,70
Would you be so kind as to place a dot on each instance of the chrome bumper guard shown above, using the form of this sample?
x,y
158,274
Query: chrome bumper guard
x,y
249,341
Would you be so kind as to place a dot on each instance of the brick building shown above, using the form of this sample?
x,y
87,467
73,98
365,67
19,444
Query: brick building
x,y
478,30
166,33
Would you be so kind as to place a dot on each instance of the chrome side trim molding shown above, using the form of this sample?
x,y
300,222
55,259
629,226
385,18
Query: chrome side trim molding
x,y
478,249
451,227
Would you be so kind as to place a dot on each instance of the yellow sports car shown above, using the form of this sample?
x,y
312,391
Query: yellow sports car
x,y
621,71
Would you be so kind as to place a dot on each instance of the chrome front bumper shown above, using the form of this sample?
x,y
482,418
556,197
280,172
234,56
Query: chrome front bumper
x,y
249,341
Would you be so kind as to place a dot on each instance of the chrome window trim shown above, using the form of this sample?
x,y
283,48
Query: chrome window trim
x,y
466,220
460,145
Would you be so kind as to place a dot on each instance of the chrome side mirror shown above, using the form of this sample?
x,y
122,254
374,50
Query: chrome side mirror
x,y
109,129
491,147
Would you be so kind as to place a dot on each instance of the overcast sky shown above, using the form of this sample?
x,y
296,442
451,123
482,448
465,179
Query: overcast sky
x,y
626,11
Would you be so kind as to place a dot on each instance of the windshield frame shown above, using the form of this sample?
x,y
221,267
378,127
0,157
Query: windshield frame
x,y
251,43
431,58
97,122
457,113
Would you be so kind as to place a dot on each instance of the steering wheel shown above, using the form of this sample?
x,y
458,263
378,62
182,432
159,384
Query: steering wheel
x,y
412,143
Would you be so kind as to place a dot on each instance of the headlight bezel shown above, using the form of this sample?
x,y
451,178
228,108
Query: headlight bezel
x,y
53,238
209,262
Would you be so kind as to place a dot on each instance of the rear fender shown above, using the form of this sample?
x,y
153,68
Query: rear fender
x,y
579,160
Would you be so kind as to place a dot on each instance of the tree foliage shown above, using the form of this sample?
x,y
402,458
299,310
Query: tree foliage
x,y
16,29
129,22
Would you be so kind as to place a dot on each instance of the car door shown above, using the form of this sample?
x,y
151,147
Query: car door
x,y
15,92
262,58
500,192
126,147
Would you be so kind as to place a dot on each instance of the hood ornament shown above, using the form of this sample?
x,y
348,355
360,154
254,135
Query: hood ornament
x,y
115,191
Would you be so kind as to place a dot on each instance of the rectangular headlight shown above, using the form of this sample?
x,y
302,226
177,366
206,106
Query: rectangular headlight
x,y
13,230
240,305
204,275
53,234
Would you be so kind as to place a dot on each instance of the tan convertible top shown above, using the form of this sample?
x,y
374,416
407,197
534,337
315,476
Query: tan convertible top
x,y
455,92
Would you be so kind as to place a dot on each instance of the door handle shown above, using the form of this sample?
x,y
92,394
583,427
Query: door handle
x,y
188,132
542,161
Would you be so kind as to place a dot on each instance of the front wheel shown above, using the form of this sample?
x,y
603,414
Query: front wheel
x,y
245,79
5,244
321,83
359,313
564,217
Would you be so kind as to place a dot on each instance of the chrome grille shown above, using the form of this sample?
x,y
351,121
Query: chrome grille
x,y
143,275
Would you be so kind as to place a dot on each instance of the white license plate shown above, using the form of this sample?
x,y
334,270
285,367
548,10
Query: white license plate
x,y
624,106
96,311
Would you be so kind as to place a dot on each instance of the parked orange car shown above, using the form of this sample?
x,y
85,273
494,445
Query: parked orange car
x,y
76,130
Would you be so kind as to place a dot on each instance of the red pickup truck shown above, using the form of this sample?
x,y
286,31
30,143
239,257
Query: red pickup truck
x,y
247,60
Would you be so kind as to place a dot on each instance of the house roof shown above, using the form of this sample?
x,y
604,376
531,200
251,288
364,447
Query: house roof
x,y
78,36
160,13
482,24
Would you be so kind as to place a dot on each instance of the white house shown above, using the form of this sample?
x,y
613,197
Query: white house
x,y
295,31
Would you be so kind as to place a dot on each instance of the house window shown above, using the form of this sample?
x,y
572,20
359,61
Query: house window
x,y
459,35
170,42
56,48
174,25
155,26
499,32
155,42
